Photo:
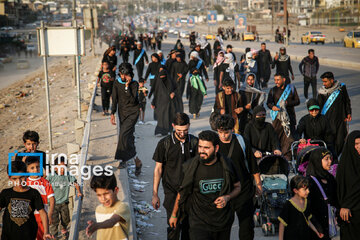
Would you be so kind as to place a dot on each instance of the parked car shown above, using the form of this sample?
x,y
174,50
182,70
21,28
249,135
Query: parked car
x,y
184,34
171,30
352,39
248,36
22,64
30,47
7,28
209,36
315,37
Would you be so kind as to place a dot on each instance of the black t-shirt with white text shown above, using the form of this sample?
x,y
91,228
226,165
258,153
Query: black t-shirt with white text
x,y
203,213
18,219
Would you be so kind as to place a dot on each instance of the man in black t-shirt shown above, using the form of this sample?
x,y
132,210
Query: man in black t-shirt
x,y
19,203
170,153
239,151
210,182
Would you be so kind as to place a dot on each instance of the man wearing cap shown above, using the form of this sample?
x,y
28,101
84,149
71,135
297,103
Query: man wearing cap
x,y
314,125
178,74
229,49
335,104
139,55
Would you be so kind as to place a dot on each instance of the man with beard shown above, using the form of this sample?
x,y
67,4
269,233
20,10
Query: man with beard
x,y
251,96
170,154
163,102
196,89
239,151
261,134
264,65
178,74
282,100
309,67
230,69
335,104
283,65
208,185
125,101
139,56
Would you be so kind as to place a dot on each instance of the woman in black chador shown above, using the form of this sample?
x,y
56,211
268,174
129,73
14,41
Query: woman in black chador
x,y
348,187
321,181
163,103
125,102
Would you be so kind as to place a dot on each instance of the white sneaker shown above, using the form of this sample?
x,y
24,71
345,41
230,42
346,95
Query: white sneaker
x,y
141,123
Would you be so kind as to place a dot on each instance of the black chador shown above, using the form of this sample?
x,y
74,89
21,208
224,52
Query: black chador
x,y
196,89
152,69
125,102
178,75
163,102
139,56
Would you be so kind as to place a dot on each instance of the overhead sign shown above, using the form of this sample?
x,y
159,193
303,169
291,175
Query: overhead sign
x,y
178,23
191,21
212,18
60,41
240,21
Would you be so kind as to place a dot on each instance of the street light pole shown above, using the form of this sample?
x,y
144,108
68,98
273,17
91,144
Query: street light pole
x,y
286,23
74,59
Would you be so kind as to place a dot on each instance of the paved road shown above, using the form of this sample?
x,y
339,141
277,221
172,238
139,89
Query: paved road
x,y
146,141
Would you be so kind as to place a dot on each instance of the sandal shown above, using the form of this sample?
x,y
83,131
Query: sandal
x,y
138,165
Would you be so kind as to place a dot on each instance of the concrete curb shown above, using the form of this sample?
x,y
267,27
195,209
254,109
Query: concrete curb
x,y
124,195
322,60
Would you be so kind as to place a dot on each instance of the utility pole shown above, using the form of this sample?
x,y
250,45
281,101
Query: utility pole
x,y
286,23
74,59
272,17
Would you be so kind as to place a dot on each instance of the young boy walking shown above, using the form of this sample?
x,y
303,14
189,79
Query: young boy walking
x,y
112,215
142,92
61,181
44,188
19,203
229,102
106,79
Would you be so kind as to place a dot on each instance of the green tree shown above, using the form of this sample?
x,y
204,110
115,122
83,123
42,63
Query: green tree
x,y
219,9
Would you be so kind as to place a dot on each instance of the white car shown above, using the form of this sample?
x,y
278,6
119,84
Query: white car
x,y
184,34
171,30
176,32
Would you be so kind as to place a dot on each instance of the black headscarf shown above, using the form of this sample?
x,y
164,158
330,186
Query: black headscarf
x,y
315,167
348,175
157,56
259,123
